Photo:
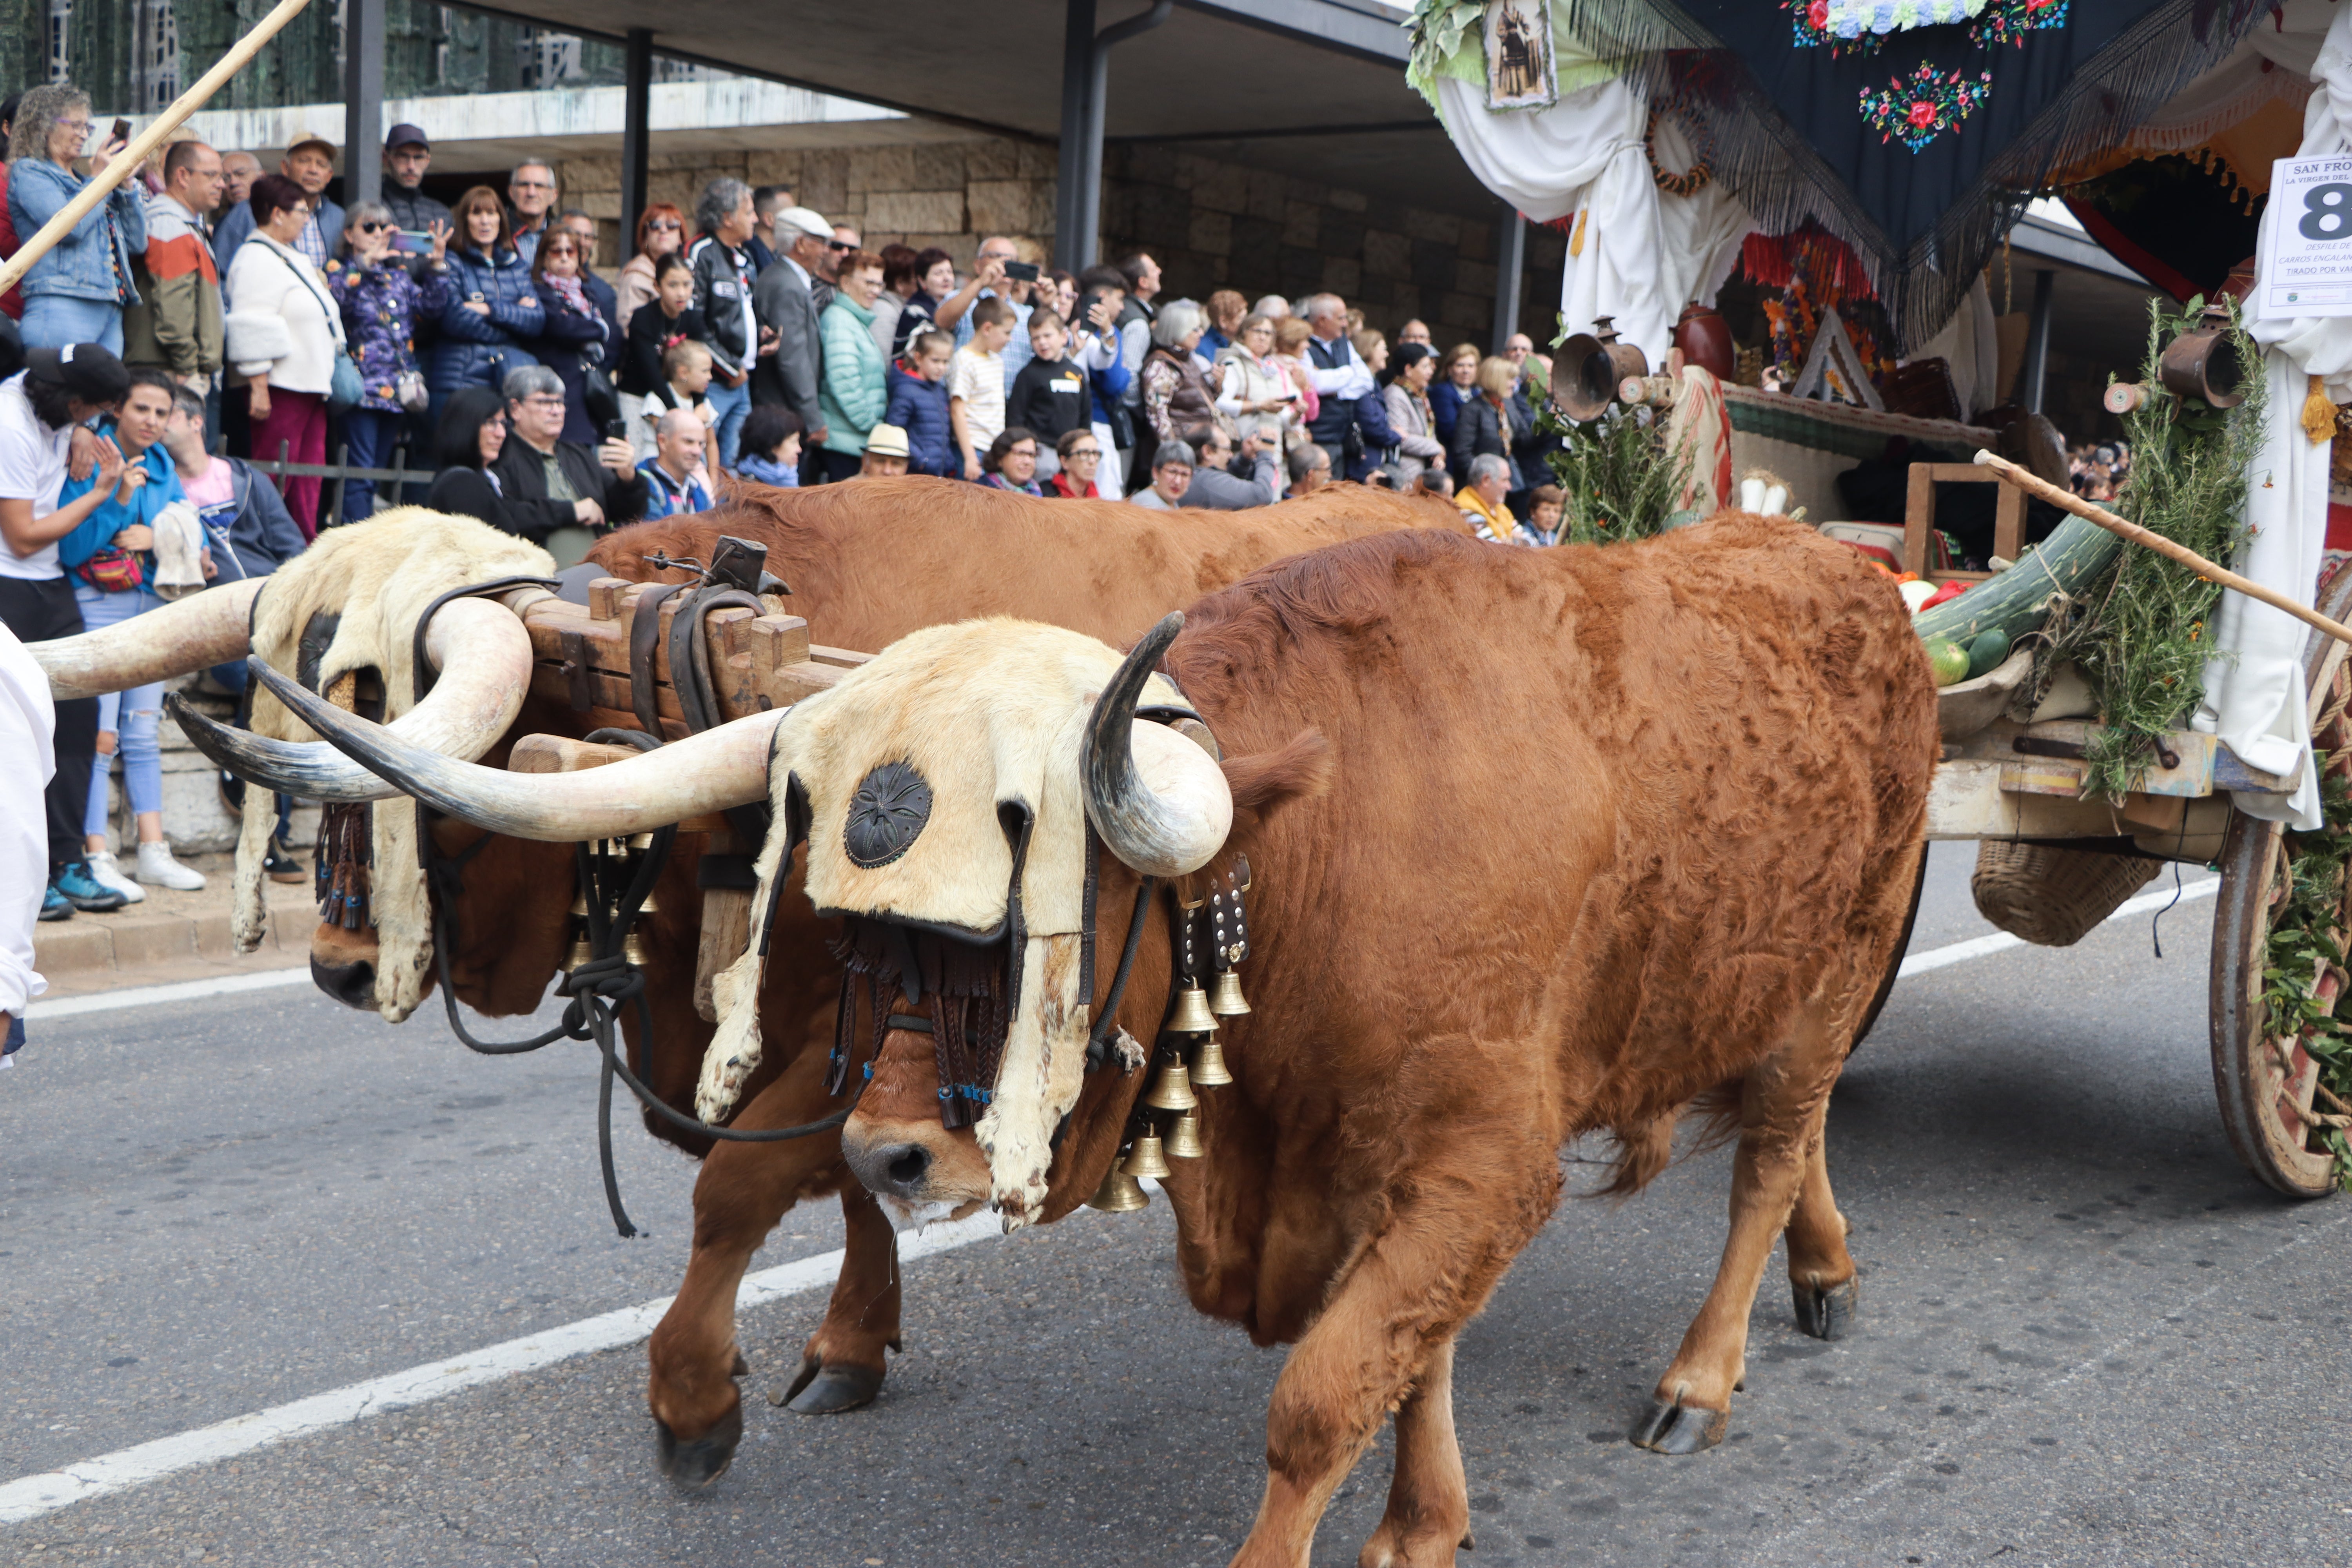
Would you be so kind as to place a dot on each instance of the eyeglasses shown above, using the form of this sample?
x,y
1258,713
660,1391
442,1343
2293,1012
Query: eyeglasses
x,y
531,185
841,244
1088,452
556,250
661,224
371,227
543,401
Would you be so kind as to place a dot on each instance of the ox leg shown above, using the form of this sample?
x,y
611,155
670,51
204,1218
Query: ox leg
x,y
1429,1499
1388,1325
1781,1114
744,1191
1822,1274
842,1364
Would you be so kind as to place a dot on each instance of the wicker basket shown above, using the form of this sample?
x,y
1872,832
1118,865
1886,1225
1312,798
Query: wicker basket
x,y
2052,897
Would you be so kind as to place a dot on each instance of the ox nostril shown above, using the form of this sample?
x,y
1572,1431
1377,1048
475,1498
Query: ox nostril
x,y
907,1166
352,985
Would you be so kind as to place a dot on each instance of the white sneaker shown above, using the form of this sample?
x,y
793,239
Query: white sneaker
x,y
156,866
105,870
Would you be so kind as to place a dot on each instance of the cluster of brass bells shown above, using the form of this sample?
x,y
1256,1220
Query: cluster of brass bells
x,y
633,946
1196,1012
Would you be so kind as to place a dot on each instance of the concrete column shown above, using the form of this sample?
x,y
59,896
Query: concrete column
x,y
637,132
2037,341
362,102
1090,149
1510,271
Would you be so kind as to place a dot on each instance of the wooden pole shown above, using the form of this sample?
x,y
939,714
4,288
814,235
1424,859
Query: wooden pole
x,y
127,161
2033,485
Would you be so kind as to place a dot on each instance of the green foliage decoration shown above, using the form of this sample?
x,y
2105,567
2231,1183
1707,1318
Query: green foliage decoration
x,y
2305,938
2145,636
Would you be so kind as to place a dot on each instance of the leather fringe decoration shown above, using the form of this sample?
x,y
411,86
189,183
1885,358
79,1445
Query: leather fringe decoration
x,y
345,852
959,985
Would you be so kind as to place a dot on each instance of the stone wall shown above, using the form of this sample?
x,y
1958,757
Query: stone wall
x,y
1211,224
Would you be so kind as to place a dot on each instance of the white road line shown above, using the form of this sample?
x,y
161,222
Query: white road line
x,y
2001,942
41,1012
35,1495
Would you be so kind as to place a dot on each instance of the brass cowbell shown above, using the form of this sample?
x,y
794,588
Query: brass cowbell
x,y
1184,1137
1120,1192
1146,1158
1174,1090
1226,1001
1192,1015
1209,1065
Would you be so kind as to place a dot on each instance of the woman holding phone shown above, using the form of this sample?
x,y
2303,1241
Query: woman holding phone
x,y
76,293
380,302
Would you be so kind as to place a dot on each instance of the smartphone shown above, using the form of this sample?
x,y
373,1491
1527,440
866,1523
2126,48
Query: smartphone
x,y
411,242
1022,271
616,429
121,132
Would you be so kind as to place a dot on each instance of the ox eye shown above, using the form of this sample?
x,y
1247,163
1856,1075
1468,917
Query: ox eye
x,y
886,814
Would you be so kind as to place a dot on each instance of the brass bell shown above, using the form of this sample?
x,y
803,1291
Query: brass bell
x,y
1120,1192
632,947
579,906
642,841
648,905
1173,1091
1146,1158
1209,1065
580,953
1184,1138
1192,1015
1226,1001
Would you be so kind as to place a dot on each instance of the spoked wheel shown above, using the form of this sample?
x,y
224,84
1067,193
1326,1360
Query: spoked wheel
x,y
2267,1083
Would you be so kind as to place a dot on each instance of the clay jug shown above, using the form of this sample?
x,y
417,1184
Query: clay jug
x,y
1705,338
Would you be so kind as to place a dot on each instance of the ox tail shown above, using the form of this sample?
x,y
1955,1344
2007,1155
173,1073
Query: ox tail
x,y
1646,1149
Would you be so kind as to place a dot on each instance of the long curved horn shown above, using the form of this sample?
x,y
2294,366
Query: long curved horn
x,y
1160,802
195,633
705,773
484,655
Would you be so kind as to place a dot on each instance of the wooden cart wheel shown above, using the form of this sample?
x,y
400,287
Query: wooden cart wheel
x,y
1895,965
2265,1086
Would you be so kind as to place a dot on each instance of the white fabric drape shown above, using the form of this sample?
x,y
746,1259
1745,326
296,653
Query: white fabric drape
x,y
1969,345
2254,698
1642,255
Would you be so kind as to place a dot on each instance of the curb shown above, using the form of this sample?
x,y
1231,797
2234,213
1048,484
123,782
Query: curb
x,y
122,941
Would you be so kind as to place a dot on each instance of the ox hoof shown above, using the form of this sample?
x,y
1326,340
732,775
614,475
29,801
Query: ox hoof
x,y
822,1390
1667,1428
1828,1314
695,1464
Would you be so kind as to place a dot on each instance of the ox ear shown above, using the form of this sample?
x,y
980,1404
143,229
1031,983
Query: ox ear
x,y
1263,782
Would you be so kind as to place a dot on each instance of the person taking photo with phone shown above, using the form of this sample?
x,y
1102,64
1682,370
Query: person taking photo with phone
x,y
76,293
381,301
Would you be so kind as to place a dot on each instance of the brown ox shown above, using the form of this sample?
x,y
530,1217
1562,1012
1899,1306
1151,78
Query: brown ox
x,y
1610,830
1608,834
868,562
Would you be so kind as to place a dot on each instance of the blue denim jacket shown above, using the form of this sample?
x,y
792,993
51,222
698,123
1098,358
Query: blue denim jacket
x,y
78,265
97,530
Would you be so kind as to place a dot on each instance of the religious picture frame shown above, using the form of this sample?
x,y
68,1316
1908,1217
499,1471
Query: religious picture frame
x,y
1521,71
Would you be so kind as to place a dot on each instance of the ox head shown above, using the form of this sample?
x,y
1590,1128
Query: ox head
x,y
345,616
946,791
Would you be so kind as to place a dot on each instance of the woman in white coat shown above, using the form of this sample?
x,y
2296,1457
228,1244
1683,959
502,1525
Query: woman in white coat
x,y
282,338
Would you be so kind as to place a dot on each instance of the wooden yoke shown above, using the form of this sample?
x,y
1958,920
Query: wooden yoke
x,y
759,663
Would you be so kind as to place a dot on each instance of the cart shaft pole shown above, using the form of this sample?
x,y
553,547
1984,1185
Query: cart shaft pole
x,y
2035,485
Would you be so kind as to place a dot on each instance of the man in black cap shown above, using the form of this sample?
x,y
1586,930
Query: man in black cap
x,y
406,155
40,408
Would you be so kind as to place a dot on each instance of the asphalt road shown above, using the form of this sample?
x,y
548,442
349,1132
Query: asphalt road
x,y
2087,1336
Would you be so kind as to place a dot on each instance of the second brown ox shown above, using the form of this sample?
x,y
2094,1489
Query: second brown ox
x,y
1608,834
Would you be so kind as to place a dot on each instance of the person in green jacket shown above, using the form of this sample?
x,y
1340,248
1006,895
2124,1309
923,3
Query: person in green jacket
x,y
856,390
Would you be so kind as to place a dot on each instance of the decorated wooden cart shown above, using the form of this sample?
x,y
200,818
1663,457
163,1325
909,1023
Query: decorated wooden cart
x,y
2097,724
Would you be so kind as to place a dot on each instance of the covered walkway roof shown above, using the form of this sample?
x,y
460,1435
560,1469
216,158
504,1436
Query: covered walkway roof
x,y
1310,88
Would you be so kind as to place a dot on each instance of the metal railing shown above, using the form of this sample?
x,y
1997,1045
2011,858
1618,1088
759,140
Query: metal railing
x,y
330,510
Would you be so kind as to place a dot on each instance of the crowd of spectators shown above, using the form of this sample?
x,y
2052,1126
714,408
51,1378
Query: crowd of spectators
x,y
220,320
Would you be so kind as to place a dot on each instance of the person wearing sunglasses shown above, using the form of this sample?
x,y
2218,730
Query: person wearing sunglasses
x,y
580,342
380,303
661,231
